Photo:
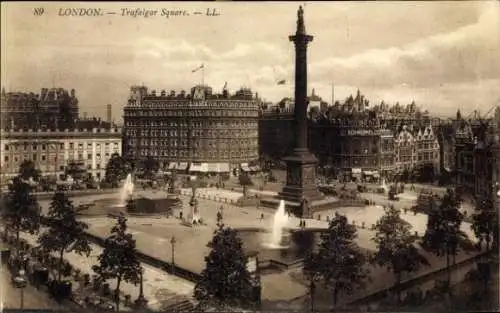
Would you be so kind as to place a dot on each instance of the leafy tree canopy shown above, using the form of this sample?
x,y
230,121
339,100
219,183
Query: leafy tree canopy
x,y
64,233
119,256
117,169
339,262
21,211
225,279
396,245
28,170
443,235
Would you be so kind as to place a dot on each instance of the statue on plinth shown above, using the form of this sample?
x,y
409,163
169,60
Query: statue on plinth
x,y
193,216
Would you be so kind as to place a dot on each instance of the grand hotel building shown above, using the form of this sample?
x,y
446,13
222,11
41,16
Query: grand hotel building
x,y
197,131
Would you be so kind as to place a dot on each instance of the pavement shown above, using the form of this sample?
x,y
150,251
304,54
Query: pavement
x,y
153,236
10,297
160,288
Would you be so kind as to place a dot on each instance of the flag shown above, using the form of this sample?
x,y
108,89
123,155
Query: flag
x,y
198,68
281,82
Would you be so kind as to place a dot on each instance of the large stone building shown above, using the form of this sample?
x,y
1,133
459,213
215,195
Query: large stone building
x,y
355,141
353,146
53,150
52,108
477,156
197,131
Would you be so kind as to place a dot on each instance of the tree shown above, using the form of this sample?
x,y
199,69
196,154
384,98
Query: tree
x,y
443,235
28,170
64,233
339,262
396,246
117,169
118,260
21,211
225,279
150,167
77,170
485,221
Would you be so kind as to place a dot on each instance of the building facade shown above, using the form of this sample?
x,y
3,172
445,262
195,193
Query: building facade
x,y
276,133
52,108
52,151
200,130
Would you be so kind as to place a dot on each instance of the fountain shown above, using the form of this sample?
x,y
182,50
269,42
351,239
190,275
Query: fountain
x,y
127,190
280,220
383,185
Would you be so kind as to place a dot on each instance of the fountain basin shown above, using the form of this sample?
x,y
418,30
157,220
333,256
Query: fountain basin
x,y
297,245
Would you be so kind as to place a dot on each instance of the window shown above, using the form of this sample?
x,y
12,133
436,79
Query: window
x,y
71,145
61,167
6,147
89,156
43,157
6,158
43,147
34,156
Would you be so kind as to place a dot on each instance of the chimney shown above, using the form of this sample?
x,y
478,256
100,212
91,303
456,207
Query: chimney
x,y
84,115
108,113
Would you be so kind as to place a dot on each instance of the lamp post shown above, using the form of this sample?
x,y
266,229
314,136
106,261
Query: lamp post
x,y
172,243
141,300
20,282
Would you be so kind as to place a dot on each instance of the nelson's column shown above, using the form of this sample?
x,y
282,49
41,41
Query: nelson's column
x,y
301,185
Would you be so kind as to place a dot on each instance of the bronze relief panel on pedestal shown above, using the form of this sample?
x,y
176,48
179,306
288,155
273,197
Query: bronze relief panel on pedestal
x,y
293,176
308,175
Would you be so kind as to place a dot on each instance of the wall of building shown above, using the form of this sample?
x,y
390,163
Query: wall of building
x,y
51,151
196,127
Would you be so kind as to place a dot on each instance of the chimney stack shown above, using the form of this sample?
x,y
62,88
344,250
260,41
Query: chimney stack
x,y
108,113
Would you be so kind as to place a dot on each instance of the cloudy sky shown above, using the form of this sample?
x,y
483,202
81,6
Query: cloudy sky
x,y
443,55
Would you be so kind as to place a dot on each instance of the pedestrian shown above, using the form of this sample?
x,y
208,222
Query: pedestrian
x,y
261,216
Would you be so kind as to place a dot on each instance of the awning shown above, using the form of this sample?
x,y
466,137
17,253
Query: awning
x,y
198,167
244,167
182,166
195,167
204,167
255,168
356,170
172,166
224,168
212,167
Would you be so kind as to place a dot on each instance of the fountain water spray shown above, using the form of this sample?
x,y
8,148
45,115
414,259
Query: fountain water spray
x,y
280,220
127,190
383,185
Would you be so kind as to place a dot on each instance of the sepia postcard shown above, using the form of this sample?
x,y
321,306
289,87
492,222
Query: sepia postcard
x,y
227,156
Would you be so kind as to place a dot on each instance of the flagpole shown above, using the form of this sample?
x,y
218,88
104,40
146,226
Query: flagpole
x,y
333,95
203,74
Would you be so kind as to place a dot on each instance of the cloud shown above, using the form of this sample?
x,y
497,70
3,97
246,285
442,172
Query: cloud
x,y
386,62
467,54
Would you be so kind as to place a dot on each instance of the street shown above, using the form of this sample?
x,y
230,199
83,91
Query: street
x,y
10,297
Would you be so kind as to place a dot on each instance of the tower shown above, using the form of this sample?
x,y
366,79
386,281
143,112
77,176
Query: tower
x,y
301,164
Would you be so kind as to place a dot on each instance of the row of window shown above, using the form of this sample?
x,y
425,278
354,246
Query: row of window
x,y
209,154
187,113
183,123
194,144
189,105
59,146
